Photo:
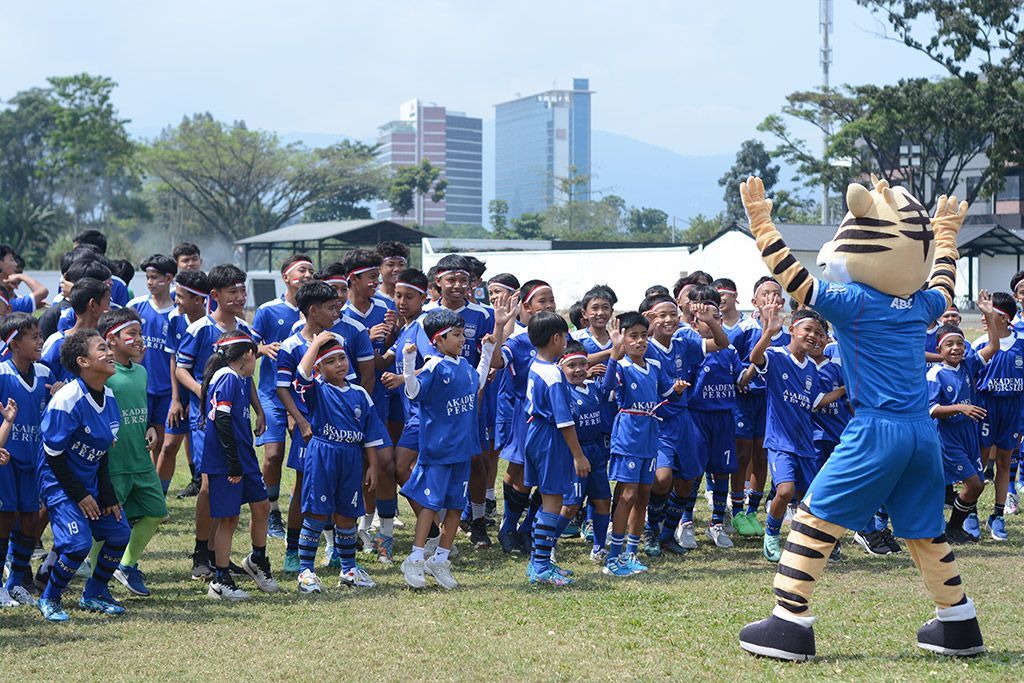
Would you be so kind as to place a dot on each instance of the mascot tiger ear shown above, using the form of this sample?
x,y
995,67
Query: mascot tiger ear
x,y
885,241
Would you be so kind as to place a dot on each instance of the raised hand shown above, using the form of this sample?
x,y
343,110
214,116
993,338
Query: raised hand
x,y
985,302
680,385
949,215
771,318
756,204
505,309
618,339
324,337
9,411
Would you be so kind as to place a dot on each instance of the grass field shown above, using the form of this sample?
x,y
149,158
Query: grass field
x,y
681,619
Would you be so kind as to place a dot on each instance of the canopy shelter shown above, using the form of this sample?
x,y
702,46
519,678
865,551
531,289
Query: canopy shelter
x,y
987,239
314,238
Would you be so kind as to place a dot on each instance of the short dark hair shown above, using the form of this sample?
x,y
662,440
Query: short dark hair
x,y
6,249
573,346
123,269
705,294
336,269
440,318
294,258
1004,303
655,299
93,237
75,346
83,252
724,283
808,313
655,289
545,325
763,279
454,262
87,268
576,314
222,355
477,268
314,293
194,279
630,319
360,258
939,333
695,278
432,275
414,277
528,287
392,249
1014,281
160,263
185,249
14,324
111,319
225,275
702,277
85,290
506,279
600,292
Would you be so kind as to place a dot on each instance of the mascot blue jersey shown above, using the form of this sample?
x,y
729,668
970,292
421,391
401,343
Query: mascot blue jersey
x,y
880,341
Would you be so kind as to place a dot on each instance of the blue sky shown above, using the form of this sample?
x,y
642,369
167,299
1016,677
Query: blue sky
x,y
692,77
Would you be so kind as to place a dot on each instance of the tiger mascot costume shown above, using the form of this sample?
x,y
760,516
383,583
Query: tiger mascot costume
x,y
889,454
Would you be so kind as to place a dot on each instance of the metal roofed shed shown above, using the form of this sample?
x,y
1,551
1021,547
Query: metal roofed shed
x,y
331,236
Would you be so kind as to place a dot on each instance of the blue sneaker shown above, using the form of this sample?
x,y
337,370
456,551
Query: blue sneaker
x,y
335,561
617,567
275,525
587,533
972,526
103,602
571,530
291,562
52,610
997,528
548,577
635,566
133,579
567,573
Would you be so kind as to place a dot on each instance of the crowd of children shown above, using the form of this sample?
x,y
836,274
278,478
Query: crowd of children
x,y
371,379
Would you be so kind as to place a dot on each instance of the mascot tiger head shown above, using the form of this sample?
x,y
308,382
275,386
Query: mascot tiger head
x,y
885,241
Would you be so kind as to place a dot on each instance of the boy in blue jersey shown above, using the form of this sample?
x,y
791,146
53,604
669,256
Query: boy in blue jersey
x,y
79,426
751,406
593,429
712,404
394,259
89,299
598,308
554,459
793,392
499,289
28,383
87,265
678,351
344,429
446,391
11,276
154,310
320,308
191,293
227,288
362,269
231,472
510,426
953,402
1001,392
641,387
271,325
453,279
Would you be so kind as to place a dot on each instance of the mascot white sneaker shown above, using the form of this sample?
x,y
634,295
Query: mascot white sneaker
x,y
891,271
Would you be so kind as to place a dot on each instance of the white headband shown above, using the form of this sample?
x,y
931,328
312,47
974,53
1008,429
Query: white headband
x,y
410,286
195,292
502,285
571,356
113,331
296,265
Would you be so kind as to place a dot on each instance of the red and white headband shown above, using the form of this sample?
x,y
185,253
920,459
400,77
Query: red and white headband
x,y
117,329
948,334
233,340
334,351
194,292
534,291
336,279
766,282
726,290
502,285
359,271
7,302
453,271
1009,316
411,286
571,356
296,265
10,337
440,333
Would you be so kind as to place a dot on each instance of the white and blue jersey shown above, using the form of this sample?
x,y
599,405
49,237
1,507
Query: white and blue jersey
x,y
640,391
51,357
446,400
26,303
713,383
373,316
272,324
195,348
18,489
593,429
412,333
341,416
75,425
793,391
678,361
549,464
961,445
479,323
119,295
1000,386
385,299
590,344
510,428
228,393
831,420
155,327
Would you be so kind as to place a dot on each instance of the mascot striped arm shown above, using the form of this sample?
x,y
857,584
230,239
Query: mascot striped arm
x,y
889,273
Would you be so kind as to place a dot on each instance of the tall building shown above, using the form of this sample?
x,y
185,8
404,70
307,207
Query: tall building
x,y
452,142
540,141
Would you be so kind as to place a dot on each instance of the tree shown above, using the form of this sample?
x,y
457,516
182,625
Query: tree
x,y
240,182
364,183
529,226
918,133
648,225
981,43
751,159
408,182
498,209
701,228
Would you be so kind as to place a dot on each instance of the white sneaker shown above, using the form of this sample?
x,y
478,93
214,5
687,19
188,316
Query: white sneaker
x,y
717,534
442,573
366,538
309,582
430,547
84,570
598,555
1012,504
685,536
6,600
356,578
221,591
413,571
261,575
727,523
22,596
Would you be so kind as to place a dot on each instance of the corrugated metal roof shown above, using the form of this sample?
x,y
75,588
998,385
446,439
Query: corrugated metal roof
x,y
367,231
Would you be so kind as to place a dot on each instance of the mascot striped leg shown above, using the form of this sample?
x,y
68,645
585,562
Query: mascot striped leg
x,y
888,243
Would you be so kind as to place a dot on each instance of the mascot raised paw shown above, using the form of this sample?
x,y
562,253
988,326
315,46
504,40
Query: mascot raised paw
x,y
889,273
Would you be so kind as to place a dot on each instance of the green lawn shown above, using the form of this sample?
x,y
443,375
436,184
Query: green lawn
x,y
682,618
